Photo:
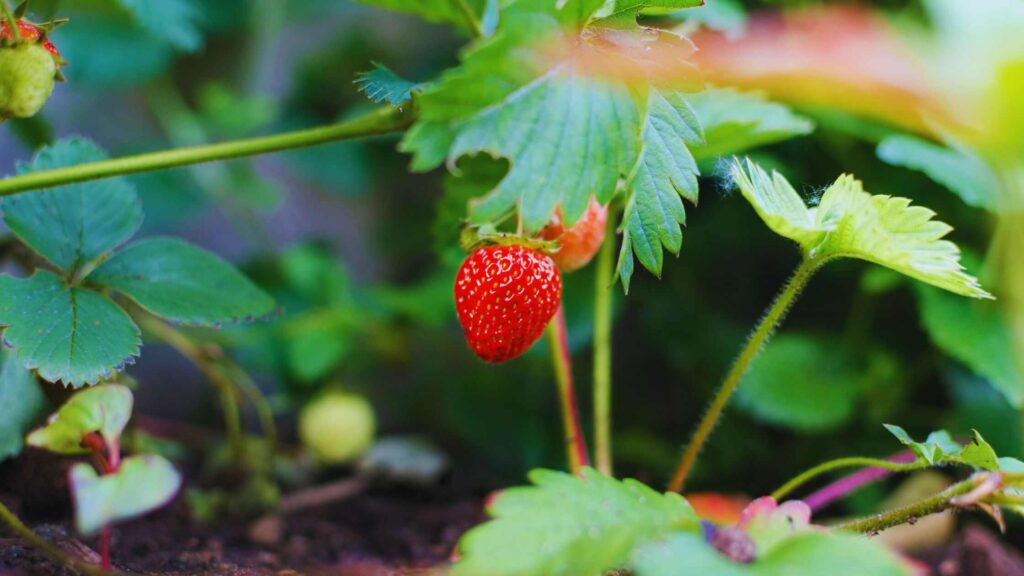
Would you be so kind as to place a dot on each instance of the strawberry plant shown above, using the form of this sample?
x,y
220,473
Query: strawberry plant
x,y
561,148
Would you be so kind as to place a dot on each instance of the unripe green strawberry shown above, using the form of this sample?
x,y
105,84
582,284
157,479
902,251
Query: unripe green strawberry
x,y
27,75
337,427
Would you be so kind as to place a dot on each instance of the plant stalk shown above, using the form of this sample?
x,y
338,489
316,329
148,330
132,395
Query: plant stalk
x,y
12,21
603,291
380,121
933,505
765,328
851,462
51,551
562,361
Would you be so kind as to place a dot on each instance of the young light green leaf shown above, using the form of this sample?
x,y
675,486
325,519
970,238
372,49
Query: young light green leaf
x,y
980,454
182,283
67,334
383,85
567,524
72,225
23,404
977,334
940,447
809,553
103,409
141,485
174,21
849,222
802,382
737,121
958,170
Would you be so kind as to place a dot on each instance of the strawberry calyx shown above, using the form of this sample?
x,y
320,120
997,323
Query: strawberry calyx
x,y
34,33
474,237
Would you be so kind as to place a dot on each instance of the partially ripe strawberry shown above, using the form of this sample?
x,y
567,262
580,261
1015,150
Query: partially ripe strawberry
x,y
505,296
579,243
28,70
30,33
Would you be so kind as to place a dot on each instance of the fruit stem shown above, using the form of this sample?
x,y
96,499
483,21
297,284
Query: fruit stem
x,y
105,548
762,333
851,462
603,292
12,21
562,361
380,121
55,554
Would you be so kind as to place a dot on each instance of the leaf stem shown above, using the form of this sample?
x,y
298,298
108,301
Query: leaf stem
x,y
765,328
471,20
12,21
560,358
380,121
603,350
851,462
937,503
54,553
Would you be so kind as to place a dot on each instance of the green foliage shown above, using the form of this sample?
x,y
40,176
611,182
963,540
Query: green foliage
x,y
383,85
804,382
174,21
141,484
566,524
959,170
977,334
71,226
810,553
182,283
66,333
851,223
736,121
940,447
569,134
446,11
23,404
103,409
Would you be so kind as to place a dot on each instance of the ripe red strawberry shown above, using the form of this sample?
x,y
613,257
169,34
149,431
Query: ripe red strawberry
x,y
505,296
579,243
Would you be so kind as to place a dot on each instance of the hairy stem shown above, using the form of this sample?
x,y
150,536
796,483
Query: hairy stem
x,y
380,121
933,505
603,286
560,358
12,21
54,553
851,462
471,20
849,484
771,320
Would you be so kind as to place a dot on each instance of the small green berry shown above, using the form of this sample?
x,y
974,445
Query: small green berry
x,y
337,427
27,75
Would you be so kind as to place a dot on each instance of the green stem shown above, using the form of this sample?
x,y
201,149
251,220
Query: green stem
x,y
380,121
926,507
256,397
771,320
851,462
560,358
26,534
470,16
12,21
603,291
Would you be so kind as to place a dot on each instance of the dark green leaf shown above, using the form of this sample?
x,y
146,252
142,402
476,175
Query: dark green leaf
x,y
174,21
23,404
182,283
73,225
141,485
446,11
67,334
567,524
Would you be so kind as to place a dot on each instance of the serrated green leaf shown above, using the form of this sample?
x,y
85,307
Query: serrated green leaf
x,y
383,85
72,225
141,485
23,404
737,121
940,447
174,21
810,553
851,223
958,170
182,283
567,524
802,382
67,334
103,409
444,11
977,334
979,454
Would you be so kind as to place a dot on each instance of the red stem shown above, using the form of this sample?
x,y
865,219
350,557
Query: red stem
x,y
105,548
108,460
562,360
